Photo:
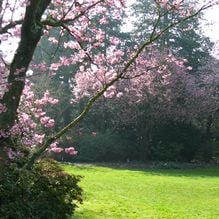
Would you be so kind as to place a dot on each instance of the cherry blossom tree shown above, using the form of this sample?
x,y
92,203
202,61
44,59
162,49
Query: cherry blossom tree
x,y
26,22
168,94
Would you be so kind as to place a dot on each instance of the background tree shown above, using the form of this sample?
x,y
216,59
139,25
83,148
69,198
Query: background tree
x,y
185,40
169,101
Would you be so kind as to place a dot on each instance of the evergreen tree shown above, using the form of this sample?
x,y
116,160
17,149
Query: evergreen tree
x,y
186,40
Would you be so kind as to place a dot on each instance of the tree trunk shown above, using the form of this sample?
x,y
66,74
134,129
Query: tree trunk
x,y
208,127
2,161
207,147
31,32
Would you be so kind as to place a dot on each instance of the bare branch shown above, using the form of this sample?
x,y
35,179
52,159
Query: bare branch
x,y
10,26
57,23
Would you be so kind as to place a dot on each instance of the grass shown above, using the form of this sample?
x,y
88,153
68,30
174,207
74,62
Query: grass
x,y
113,193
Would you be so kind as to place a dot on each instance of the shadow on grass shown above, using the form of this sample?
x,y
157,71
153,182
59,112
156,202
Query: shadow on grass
x,y
169,169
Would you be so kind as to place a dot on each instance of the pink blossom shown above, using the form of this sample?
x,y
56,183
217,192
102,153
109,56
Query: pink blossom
x,y
53,40
54,66
39,138
114,41
53,101
189,68
103,20
44,120
3,108
71,151
64,61
54,145
50,123
100,35
56,150
40,102
94,134
13,154
119,94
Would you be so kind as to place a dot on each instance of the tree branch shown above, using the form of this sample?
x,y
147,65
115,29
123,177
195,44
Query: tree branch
x,y
90,103
10,26
57,23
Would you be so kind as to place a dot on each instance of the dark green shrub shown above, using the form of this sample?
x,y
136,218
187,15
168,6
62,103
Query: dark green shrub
x,y
107,146
215,144
45,192
167,151
175,141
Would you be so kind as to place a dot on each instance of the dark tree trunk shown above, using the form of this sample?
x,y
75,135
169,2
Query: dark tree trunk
x,y
31,32
207,146
208,127
2,161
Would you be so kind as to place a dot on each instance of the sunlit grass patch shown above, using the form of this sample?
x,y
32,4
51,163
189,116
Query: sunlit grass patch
x,y
144,193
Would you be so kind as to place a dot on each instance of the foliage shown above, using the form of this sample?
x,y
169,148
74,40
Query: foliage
x,y
94,147
138,132
44,192
123,191
176,141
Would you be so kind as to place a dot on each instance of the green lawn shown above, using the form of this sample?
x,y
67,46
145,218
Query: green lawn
x,y
113,193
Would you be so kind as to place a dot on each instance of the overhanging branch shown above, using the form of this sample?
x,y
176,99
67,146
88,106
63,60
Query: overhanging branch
x,y
90,103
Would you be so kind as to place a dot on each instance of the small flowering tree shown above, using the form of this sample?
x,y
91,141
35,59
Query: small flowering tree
x,y
27,21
